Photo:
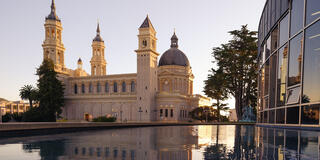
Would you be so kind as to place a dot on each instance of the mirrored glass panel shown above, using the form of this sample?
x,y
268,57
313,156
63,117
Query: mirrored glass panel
x,y
291,139
309,148
266,76
268,48
310,114
293,95
293,115
274,40
313,10
311,82
284,5
273,80
265,117
271,116
280,114
296,16
282,75
284,31
295,60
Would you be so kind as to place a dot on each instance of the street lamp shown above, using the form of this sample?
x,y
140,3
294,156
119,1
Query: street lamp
x,y
140,111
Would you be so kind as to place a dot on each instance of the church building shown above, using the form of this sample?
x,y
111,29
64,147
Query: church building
x,y
159,91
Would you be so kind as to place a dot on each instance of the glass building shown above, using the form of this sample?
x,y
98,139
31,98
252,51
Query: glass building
x,y
289,63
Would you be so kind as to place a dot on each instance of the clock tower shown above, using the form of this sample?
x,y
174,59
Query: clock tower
x,y
147,58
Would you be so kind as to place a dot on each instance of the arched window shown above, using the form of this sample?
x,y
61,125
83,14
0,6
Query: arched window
x,y
90,88
161,112
58,58
144,43
166,113
75,89
106,87
124,87
133,87
83,89
171,113
115,87
98,87
94,70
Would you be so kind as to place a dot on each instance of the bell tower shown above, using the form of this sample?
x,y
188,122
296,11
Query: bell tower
x,y
98,62
147,58
53,47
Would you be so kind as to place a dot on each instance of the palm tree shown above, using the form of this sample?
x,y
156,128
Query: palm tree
x,y
28,92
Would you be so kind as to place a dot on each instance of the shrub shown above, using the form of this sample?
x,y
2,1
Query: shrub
x,y
17,117
33,115
7,117
104,119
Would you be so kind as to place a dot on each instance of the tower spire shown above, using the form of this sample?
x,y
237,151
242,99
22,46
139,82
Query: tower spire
x,y
53,15
98,38
98,28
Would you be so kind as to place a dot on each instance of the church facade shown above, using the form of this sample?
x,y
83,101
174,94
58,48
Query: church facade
x,y
159,91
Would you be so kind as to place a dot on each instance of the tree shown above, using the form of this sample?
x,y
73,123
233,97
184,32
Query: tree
x,y
51,95
206,113
28,92
237,62
215,89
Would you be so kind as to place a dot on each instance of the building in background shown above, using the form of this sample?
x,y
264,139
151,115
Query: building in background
x,y
13,107
157,92
289,58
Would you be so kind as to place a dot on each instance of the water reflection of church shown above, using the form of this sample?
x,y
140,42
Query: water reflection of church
x,y
159,143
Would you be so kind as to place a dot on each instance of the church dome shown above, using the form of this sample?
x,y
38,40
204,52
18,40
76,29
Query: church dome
x,y
174,56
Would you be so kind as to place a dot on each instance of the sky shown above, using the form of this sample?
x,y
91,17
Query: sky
x,y
200,25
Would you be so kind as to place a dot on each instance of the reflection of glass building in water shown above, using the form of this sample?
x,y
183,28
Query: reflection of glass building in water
x,y
289,63
279,144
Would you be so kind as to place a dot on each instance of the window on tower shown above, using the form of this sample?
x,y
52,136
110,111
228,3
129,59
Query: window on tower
x,y
58,58
144,43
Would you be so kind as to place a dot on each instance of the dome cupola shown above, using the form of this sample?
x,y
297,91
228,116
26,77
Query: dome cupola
x,y
174,56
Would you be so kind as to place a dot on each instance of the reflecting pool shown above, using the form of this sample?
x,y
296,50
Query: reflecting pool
x,y
167,143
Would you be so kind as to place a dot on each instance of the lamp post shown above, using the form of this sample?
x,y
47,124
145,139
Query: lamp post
x,y
140,111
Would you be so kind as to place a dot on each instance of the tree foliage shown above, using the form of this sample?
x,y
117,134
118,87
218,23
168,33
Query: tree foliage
x,y
51,95
215,89
28,92
236,60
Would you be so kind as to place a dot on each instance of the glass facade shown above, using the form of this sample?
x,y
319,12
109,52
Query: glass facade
x,y
289,63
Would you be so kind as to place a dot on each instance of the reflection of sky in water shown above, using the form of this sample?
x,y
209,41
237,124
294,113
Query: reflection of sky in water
x,y
176,143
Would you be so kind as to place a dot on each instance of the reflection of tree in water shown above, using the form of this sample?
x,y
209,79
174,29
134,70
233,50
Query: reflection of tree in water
x,y
216,151
244,146
49,150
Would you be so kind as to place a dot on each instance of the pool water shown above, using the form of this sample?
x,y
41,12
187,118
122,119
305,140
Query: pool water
x,y
167,143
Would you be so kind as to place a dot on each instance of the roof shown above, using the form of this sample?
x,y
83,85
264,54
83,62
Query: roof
x,y
53,15
146,23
